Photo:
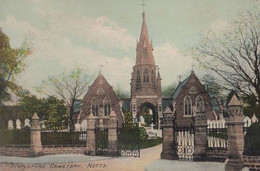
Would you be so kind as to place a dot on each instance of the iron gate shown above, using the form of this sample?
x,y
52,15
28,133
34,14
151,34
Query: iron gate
x,y
101,134
128,140
184,142
216,144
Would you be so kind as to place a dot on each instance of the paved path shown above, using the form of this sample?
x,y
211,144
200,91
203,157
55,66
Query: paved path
x,y
81,162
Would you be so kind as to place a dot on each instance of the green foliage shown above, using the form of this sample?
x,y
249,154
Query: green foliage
x,y
143,134
147,118
150,142
51,109
252,140
128,118
11,63
167,91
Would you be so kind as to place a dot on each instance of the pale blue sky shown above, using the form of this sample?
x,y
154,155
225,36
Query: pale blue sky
x,y
86,33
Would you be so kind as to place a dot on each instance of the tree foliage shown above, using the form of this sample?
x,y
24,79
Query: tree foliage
x,y
168,90
11,63
50,109
122,94
213,88
68,87
233,55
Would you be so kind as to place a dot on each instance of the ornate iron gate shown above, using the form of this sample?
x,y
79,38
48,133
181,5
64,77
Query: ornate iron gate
x,y
101,134
184,142
128,140
216,144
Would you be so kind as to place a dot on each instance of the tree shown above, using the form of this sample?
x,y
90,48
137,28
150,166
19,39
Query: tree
x,y
233,55
51,109
212,87
67,87
167,91
11,63
122,94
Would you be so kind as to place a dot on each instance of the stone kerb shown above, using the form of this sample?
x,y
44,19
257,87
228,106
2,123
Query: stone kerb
x,y
235,136
35,145
112,134
168,136
91,137
200,142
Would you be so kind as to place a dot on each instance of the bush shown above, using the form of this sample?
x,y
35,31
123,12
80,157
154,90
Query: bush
x,y
252,140
143,134
150,142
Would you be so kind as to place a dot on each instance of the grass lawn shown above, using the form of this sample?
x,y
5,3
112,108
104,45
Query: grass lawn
x,y
150,142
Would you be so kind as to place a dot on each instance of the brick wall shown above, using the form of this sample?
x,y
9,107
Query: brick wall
x,y
63,150
252,162
14,151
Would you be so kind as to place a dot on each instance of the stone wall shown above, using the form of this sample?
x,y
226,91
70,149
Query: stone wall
x,y
252,162
14,151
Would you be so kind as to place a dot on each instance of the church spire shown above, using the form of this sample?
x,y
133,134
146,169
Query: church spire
x,y
144,54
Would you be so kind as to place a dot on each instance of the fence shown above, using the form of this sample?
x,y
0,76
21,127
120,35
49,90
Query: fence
x,y
15,137
63,138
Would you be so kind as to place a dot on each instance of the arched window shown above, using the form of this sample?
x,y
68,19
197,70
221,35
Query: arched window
x,y
107,106
153,76
199,102
94,104
187,106
146,76
138,76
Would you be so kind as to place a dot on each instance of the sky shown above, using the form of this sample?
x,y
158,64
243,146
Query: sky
x,y
66,34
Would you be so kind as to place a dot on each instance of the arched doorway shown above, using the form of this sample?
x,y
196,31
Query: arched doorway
x,y
144,109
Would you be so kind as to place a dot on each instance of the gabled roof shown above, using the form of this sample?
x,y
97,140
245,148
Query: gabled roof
x,y
179,88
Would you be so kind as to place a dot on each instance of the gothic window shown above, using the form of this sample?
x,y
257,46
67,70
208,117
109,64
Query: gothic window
x,y
187,106
94,104
146,76
107,106
138,76
153,76
199,102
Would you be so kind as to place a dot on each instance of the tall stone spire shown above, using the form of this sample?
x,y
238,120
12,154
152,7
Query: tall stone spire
x,y
144,49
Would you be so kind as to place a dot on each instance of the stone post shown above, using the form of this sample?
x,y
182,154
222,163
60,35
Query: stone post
x,y
235,136
168,136
200,142
91,136
112,134
36,144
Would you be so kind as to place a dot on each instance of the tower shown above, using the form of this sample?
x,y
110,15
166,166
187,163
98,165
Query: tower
x,y
146,79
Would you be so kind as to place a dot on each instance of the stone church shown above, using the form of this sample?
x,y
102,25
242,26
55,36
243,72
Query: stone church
x,y
146,92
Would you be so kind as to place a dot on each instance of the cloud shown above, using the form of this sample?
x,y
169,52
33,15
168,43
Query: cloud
x,y
172,63
53,52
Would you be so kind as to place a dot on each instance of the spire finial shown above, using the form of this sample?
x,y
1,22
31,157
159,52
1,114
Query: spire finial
x,y
192,67
143,4
100,68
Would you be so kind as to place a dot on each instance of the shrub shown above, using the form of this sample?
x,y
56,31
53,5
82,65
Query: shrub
x,y
252,140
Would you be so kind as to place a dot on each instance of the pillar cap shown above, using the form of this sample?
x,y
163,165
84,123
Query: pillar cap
x,y
234,101
91,116
112,114
35,116
168,110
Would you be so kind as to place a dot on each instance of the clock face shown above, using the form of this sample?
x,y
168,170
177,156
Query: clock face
x,y
193,90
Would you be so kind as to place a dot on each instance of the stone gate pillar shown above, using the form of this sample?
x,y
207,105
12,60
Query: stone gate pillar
x,y
235,136
168,136
91,136
200,134
36,144
112,134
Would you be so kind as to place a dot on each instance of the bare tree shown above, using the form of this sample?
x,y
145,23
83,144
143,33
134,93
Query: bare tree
x,y
233,54
69,88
